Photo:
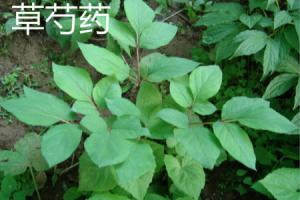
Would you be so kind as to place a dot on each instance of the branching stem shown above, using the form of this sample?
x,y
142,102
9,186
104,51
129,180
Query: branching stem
x,y
34,183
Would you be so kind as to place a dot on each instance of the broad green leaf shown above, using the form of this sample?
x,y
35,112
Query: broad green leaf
x,y
215,18
174,117
291,37
37,108
225,48
107,196
204,108
139,14
200,144
139,162
158,152
250,42
283,183
271,56
105,61
236,141
187,175
129,127
149,101
293,4
157,67
95,179
297,95
122,106
217,33
250,21
9,24
107,149
180,91
289,65
205,82
114,7
30,148
158,34
281,18
75,81
279,85
85,108
59,142
94,124
107,87
257,114
12,163
121,31
138,188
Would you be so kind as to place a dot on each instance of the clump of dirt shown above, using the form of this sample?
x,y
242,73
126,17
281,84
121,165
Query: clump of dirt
x,y
10,133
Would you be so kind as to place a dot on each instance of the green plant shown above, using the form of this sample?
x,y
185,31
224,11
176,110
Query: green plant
x,y
157,139
269,30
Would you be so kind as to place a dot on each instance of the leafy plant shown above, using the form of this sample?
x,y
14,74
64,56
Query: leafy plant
x,y
269,30
131,144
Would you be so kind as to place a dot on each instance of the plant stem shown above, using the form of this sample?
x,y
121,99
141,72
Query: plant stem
x,y
34,183
138,70
69,168
173,15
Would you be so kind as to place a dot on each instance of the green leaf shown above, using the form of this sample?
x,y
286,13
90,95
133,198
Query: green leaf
x,y
157,67
12,163
75,81
279,85
95,179
151,196
236,141
180,91
205,82
139,14
122,106
139,162
153,103
121,31
30,148
158,34
114,7
204,108
283,183
108,196
139,187
9,24
225,48
94,124
107,149
291,37
271,56
217,33
187,175
220,13
257,114
106,88
200,144
297,95
37,108
129,127
250,42
281,18
174,117
60,142
105,61
250,21
85,108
